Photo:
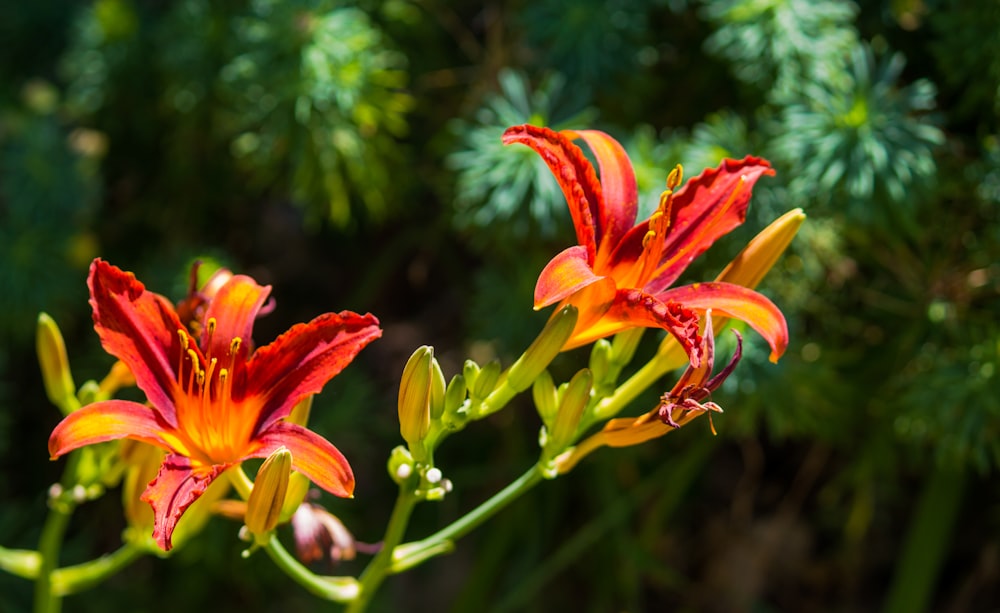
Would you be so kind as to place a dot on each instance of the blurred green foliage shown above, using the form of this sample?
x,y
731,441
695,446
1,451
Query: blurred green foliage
x,y
348,152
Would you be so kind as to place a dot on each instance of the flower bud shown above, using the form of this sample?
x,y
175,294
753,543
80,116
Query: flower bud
x,y
268,494
400,464
600,360
59,386
300,412
485,380
298,488
454,394
437,391
571,408
760,254
543,350
546,398
414,396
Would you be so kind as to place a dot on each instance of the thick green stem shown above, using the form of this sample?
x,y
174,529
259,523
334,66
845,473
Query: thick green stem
x,y
72,579
416,552
336,589
61,507
379,567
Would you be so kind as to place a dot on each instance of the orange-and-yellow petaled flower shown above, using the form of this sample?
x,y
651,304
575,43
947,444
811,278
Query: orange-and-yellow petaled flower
x,y
213,400
620,273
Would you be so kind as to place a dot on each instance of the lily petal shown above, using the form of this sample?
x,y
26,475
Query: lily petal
x,y
707,207
234,309
139,328
621,197
105,421
739,302
175,488
575,175
303,359
312,455
632,308
564,275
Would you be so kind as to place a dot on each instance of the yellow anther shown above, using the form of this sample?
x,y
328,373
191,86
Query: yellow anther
x,y
185,339
647,238
234,346
211,326
675,177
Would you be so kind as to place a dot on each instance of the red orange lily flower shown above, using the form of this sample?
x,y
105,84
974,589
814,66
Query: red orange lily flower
x,y
620,273
213,400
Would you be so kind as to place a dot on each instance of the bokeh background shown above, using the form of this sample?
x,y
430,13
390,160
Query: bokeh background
x,y
349,154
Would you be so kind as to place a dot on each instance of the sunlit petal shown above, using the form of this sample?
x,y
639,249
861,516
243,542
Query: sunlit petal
x,y
639,309
233,310
105,421
302,360
738,302
620,195
175,488
575,175
565,274
312,455
139,328
707,207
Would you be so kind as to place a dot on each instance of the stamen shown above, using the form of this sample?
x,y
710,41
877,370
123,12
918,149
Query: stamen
x,y
195,369
210,332
675,177
234,346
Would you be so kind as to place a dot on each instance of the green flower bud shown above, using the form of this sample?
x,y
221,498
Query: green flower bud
x,y
414,396
51,348
600,360
546,398
400,464
454,394
437,391
470,370
486,380
543,350
298,487
574,401
300,412
268,494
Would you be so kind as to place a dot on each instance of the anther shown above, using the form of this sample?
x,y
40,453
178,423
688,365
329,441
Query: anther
x,y
234,346
675,177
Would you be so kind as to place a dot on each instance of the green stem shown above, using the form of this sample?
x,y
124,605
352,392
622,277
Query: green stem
x,y
336,589
410,554
379,567
50,543
72,579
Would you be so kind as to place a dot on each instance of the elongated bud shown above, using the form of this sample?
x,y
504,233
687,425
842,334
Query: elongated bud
x,y
470,370
118,377
543,350
571,408
414,396
546,397
298,488
437,390
600,360
300,412
52,358
486,380
749,267
454,394
268,494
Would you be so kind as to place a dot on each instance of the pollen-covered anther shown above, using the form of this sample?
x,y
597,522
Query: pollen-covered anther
x,y
675,177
